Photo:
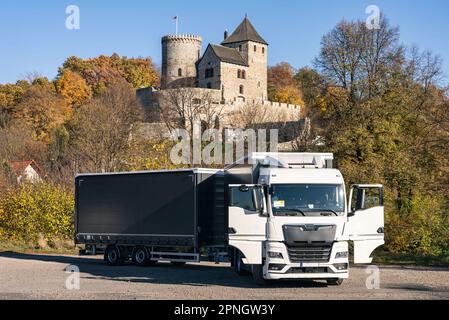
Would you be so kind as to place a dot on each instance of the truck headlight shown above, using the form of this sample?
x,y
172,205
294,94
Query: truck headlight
x,y
275,255
343,254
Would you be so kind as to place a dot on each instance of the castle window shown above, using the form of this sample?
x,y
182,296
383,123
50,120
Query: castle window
x,y
209,85
243,74
255,48
242,90
240,48
263,50
179,72
239,73
209,73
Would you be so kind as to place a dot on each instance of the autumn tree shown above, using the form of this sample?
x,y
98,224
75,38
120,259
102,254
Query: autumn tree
x,y
42,110
282,86
104,71
73,88
384,115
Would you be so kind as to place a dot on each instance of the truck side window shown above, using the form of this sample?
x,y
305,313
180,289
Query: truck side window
x,y
242,199
366,198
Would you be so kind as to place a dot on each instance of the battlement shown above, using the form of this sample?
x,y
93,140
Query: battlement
x,y
182,37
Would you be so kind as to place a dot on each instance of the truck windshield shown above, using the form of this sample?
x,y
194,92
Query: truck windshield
x,y
307,199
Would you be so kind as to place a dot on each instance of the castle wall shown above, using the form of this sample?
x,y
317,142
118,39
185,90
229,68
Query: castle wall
x,y
180,52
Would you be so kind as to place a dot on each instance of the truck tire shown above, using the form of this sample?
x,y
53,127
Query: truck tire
x,y
257,271
334,282
238,263
140,256
112,256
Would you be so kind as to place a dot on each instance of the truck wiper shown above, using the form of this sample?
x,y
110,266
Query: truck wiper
x,y
292,209
328,210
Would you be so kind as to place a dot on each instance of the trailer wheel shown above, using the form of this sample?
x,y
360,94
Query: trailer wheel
x,y
238,263
112,256
334,282
257,271
140,256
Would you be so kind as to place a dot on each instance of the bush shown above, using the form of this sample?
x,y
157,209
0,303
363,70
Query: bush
x,y
422,229
33,213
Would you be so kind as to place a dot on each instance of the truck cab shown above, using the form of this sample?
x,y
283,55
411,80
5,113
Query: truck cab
x,y
294,218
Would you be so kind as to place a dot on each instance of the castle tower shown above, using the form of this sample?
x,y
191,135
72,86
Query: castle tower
x,y
180,54
254,49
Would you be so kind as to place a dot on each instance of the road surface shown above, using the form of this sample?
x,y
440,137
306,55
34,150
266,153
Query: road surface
x,y
33,276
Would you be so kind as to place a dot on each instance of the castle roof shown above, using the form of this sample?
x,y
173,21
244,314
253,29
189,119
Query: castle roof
x,y
245,32
229,55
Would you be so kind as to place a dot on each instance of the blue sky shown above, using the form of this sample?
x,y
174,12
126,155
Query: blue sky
x,y
33,36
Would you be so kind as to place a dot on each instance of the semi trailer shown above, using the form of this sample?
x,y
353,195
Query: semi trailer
x,y
274,215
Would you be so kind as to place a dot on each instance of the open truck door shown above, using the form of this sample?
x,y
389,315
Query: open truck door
x,y
247,221
366,220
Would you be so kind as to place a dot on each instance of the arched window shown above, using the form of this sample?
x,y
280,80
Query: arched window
x,y
179,72
239,73
263,50
243,74
242,89
255,48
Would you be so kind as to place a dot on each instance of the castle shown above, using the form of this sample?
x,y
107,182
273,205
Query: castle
x,y
234,72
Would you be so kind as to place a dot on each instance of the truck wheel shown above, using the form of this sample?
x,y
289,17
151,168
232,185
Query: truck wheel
x,y
112,256
238,264
140,256
334,282
257,271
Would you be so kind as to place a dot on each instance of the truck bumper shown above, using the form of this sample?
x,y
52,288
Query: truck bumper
x,y
289,268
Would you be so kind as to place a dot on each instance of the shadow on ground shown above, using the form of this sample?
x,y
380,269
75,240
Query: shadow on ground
x,y
161,273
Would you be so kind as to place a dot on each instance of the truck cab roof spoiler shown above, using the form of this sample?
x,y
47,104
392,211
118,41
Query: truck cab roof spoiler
x,y
287,160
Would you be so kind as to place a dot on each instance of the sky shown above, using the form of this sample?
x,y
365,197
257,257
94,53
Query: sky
x,y
34,37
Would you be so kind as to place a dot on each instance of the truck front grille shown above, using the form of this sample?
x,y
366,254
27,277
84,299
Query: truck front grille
x,y
310,253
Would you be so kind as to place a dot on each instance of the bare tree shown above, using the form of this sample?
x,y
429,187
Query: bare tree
x,y
181,107
101,129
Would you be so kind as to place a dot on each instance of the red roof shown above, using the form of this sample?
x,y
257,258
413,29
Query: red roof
x,y
19,166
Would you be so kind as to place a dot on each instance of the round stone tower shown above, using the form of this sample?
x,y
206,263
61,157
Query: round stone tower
x,y
179,56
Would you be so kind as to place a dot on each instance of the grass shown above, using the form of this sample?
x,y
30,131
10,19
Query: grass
x,y
383,257
27,248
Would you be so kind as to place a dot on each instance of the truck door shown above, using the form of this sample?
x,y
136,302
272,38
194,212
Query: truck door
x,y
366,220
247,212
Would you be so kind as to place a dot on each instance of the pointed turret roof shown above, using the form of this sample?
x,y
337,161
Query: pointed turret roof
x,y
245,32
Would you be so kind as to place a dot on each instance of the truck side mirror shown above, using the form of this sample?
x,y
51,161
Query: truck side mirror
x,y
257,199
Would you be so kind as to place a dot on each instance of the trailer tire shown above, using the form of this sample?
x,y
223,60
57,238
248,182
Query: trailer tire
x,y
334,282
140,256
113,256
238,263
257,271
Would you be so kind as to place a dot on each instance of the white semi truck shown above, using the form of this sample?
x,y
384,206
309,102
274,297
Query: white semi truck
x,y
296,221
276,215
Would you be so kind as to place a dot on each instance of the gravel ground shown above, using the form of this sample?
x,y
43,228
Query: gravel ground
x,y
29,276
